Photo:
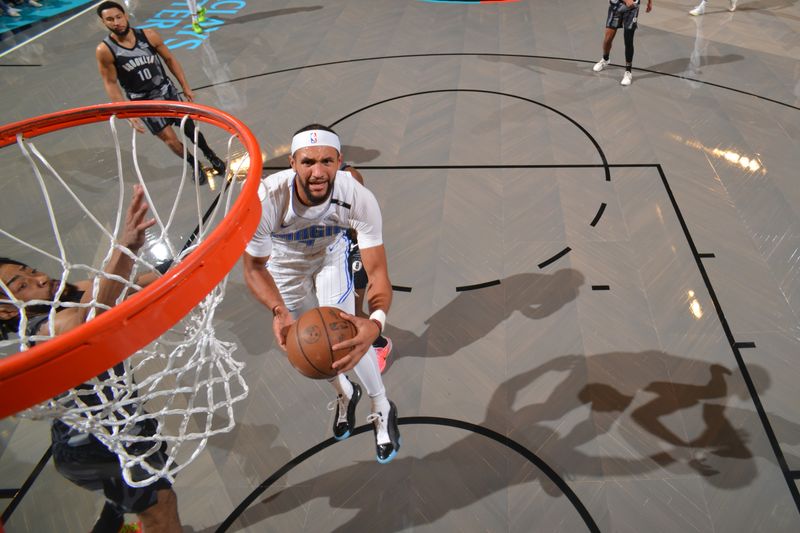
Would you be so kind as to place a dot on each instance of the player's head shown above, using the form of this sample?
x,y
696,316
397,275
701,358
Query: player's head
x,y
24,283
316,156
114,18
27,284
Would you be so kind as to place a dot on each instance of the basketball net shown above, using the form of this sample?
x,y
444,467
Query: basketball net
x,y
179,390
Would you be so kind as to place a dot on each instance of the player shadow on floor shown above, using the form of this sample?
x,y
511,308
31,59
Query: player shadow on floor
x,y
234,458
686,65
473,314
652,425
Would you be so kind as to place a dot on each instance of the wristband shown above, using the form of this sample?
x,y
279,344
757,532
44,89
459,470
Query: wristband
x,y
379,317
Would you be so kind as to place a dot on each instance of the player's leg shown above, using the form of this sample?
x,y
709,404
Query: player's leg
x,y
297,291
334,287
216,163
156,505
627,33
699,9
170,138
193,11
612,22
86,462
163,515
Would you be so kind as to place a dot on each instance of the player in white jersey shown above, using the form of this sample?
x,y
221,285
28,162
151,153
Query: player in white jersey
x,y
298,260
198,15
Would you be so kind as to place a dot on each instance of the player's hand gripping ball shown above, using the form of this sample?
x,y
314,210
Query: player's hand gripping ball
x,y
309,341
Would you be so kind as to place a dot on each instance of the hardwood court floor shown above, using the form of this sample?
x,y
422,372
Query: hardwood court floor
x,y
596,321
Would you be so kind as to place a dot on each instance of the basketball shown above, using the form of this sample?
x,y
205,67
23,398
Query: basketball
x,y
309,341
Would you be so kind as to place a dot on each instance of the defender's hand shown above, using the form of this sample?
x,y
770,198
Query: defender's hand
x,y
366,333
133,233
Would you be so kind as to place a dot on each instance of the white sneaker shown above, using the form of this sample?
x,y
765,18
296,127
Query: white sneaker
x,y
699,10
12,12
34,3
627,78
733,5
600,65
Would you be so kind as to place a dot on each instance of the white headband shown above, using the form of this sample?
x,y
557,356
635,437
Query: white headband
x,y
304,139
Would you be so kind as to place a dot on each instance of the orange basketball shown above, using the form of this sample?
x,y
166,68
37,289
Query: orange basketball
x,y
310,338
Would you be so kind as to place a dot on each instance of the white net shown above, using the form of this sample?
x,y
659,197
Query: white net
x,y
157,408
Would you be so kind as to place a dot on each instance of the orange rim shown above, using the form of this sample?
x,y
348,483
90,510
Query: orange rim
x,y
49,368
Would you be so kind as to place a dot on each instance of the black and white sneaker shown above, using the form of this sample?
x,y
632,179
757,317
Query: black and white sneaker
x,y
201,175
386,425
345,419
217,164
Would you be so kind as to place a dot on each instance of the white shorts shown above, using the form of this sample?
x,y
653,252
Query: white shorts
x,y
317,281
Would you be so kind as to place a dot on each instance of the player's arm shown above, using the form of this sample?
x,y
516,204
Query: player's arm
x,y
170,60
120,264
108,73
263,287
379,289
379,298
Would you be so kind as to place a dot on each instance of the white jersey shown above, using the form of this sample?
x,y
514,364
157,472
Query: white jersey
x,y
290,232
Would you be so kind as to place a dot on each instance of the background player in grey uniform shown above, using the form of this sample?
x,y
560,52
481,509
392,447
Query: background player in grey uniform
x,y
383,344
80,457
131,57
297,260
621,14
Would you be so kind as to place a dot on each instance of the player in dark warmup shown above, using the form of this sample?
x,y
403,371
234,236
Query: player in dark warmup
x,y
383,344
621,14
80,457
132,58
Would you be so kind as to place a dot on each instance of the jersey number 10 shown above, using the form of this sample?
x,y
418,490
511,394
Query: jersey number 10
x,y
144,74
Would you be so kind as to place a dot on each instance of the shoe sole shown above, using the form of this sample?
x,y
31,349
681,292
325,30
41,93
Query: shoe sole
x,y
391,455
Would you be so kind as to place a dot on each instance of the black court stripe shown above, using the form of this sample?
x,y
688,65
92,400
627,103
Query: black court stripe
x,y
478,286
479,54
744,345
706,256
21,65
7,494
556,257
563,115
420,420
398,288
596,218
26,486
601,287
484,167
748,380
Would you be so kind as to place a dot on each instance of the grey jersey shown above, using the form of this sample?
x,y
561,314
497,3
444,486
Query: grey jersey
x,y
139,69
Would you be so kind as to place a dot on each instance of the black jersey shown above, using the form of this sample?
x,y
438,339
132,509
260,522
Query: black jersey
x,y
139,69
